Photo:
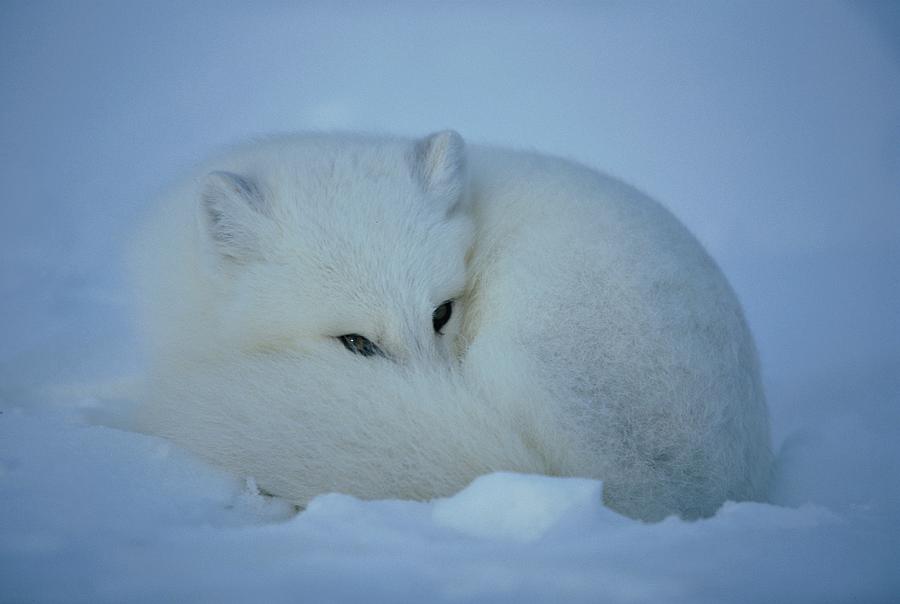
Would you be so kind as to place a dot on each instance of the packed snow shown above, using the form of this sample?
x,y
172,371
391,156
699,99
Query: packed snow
x,y
772,131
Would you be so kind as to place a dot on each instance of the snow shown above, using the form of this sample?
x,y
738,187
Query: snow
x,y
770,129
518,507
94,514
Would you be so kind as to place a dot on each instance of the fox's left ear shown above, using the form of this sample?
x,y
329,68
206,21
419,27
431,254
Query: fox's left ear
x,y
439,163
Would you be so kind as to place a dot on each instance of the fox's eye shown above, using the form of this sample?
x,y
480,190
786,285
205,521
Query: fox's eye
x,y
359,344
441,315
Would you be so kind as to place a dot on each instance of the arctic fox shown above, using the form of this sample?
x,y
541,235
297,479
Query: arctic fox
x,y
391,318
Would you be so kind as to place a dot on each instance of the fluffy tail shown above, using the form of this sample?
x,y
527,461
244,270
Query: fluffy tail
x,y
301,425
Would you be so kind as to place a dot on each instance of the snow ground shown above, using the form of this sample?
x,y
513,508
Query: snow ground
x,y
773,131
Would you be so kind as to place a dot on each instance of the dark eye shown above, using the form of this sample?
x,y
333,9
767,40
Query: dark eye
x,y
441,315
359,344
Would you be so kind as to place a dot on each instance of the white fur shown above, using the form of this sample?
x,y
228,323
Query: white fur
x,y
591,336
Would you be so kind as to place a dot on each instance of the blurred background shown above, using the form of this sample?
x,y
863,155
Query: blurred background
x,y
771,129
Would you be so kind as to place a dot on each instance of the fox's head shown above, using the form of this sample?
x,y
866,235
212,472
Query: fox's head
x,y
357,243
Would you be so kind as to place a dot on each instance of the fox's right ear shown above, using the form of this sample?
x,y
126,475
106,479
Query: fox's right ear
x,y
234,212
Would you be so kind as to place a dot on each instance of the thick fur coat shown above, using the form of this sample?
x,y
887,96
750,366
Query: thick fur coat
x,y
589,334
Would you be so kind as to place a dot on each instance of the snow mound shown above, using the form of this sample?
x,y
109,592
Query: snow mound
x,y
517,507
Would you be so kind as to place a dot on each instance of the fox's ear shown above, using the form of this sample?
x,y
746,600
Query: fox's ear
x,y
440,165
234,211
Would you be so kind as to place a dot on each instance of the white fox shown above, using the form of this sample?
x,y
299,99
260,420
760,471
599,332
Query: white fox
x,y
391,318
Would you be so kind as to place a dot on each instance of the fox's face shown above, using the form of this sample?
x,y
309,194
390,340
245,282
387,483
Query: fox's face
x,y
357,245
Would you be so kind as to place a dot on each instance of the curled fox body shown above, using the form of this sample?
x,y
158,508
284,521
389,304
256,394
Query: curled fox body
x,y
391,318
